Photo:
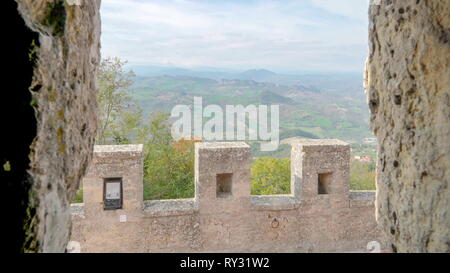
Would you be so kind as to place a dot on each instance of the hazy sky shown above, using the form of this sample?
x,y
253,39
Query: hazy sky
x,y
284,36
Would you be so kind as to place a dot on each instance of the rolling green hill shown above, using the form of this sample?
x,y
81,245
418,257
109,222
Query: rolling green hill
x,y
309,112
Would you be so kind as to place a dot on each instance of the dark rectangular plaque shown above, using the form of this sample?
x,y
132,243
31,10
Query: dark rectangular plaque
x,y
112,193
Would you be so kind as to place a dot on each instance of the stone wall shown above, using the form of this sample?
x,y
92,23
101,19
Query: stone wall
x,y
65,55
408,91
223,216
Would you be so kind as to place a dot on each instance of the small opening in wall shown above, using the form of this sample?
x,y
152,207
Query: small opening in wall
x,y
224,185
112,193
324,185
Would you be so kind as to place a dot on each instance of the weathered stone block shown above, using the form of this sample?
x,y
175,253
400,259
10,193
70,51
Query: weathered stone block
x,y
115,161
320,170
217,164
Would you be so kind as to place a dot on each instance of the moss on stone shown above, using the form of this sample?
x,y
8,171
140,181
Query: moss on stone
x,y
33,102
31,243
59,134
52,95
32,54
61,115
55,17
7,166
62,148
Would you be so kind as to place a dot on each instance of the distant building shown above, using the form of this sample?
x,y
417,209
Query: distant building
x,y
370,140
364,158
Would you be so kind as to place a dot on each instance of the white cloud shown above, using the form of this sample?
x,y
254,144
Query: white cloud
x,y
356,9
307,34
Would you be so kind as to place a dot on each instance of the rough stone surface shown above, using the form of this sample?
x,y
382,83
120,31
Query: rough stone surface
x,y
65,104
362,195
169,207
408,90
303,221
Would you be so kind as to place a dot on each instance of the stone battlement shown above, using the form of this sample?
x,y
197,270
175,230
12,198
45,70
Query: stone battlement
x,y
319,215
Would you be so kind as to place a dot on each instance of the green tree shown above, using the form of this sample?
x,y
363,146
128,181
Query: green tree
x,y
129,127
169,164
118,114
271,176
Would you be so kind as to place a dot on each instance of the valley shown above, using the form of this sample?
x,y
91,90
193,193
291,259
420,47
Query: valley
x,y
311,105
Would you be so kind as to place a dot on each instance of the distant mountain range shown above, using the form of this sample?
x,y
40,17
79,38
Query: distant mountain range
x,y
311,105
339,82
